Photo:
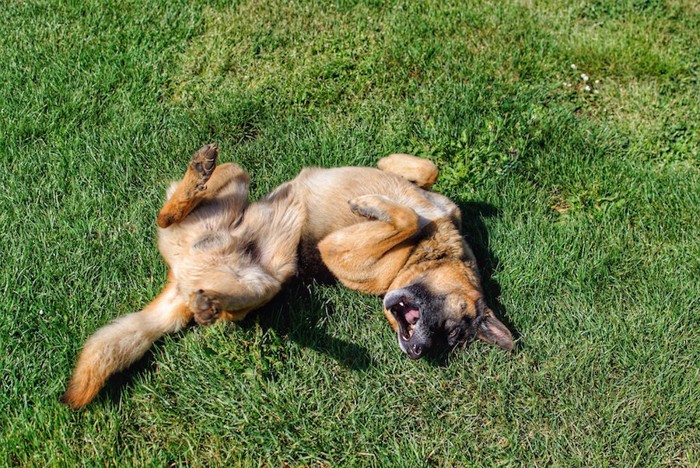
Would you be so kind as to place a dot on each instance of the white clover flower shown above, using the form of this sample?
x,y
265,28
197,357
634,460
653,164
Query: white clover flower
x,y
573,66
586,88
584,77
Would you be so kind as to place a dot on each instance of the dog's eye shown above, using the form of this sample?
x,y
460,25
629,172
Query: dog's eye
x,y
454,335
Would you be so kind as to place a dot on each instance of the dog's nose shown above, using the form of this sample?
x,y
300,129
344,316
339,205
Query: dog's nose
x,y
417,350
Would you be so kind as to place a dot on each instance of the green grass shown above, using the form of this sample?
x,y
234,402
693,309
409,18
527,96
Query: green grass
x,y
582,206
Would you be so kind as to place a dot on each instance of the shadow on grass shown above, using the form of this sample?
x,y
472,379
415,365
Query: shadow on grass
x,y
119,383
299,315
295,314
475,233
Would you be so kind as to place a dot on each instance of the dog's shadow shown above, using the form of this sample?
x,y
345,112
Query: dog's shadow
x,y
295,314
299,315
475,233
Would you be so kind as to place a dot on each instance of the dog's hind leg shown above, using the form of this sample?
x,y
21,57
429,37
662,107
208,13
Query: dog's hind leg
x,y
420,171
203,181
230,293
367,256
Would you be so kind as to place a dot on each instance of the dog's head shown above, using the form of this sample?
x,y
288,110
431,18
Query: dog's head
x,y
442,307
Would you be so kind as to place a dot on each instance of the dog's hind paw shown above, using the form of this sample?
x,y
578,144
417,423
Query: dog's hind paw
x,y
206,310
203,163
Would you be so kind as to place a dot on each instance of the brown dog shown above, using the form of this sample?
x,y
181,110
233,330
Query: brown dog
x,y
378,231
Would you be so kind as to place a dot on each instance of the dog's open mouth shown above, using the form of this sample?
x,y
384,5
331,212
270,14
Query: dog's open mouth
x,y
406,315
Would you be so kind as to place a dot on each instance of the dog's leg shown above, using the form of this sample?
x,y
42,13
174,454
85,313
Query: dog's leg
x,y
420,171
189,191
203,180
228,295
366,256
423,173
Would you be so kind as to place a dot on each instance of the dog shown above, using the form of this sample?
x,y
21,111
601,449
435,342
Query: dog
x,y
376,230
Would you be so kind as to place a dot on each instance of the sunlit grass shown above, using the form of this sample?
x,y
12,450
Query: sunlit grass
x,y
580,197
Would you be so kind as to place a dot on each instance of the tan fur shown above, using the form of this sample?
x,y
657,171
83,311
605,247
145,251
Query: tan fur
x,y
220,267
377,231
420,171
119,344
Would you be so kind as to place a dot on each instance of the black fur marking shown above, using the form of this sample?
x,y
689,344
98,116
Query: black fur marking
x,y
252,250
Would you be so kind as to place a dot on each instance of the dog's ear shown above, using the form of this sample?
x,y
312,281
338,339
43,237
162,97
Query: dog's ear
x,y
491,330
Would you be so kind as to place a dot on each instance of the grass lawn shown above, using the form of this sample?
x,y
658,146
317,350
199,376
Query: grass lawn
x,y
569,133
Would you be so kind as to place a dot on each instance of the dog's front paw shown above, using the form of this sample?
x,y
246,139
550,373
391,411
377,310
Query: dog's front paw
x,y
206,310
370,206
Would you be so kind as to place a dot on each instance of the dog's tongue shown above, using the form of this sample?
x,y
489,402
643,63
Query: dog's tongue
x,y
411,315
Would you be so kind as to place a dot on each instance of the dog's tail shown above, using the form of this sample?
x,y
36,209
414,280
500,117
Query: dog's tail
x,y
119,344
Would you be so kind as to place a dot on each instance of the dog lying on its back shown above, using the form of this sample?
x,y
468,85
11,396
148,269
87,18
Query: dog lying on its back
x,y
379,231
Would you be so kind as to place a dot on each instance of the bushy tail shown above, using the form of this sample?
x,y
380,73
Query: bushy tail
x,y
119,344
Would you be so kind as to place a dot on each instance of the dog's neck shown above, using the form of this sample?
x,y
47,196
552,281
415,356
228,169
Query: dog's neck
x,y
438,240
436,244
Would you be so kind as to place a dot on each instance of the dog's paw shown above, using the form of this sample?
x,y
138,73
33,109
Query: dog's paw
x,y
206,310
203,163
370,206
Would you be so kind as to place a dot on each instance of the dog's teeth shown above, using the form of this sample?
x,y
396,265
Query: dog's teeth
x,y
402,304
